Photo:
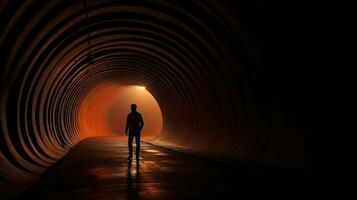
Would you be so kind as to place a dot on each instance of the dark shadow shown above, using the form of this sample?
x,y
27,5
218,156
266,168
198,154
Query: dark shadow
x,y
133,182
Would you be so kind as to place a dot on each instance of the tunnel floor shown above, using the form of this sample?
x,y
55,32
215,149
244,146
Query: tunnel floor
x,y
97,168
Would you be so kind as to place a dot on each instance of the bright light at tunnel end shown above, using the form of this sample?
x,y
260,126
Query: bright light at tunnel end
x,y
140,87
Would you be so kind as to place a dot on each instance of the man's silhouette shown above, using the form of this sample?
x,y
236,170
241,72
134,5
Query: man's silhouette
x,y
134,124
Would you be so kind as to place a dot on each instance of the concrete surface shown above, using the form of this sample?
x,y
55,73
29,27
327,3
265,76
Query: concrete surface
x,y
97,168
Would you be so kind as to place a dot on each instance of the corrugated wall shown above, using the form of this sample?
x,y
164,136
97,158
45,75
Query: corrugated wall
x,y
211,65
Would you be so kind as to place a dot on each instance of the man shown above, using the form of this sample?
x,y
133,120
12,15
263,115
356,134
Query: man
x,y
134,124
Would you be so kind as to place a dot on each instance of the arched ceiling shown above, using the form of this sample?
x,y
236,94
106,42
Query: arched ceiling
x,y
193,56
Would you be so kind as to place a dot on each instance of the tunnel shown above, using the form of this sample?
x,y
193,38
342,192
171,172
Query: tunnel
x,y
223,74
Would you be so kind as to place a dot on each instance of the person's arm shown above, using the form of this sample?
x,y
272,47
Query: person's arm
x,y
127,125
141,122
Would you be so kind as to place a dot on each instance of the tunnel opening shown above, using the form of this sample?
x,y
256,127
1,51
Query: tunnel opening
x,y
104,110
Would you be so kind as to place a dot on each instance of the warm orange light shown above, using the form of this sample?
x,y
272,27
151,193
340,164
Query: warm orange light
x,y
141,87
104,112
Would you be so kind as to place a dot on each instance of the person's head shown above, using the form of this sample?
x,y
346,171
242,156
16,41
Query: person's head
x,y
133,107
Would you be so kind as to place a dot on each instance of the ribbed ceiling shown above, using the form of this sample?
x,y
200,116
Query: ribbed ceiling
x,y
193,56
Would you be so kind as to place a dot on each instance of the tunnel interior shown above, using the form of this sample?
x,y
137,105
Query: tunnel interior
x,y
219,71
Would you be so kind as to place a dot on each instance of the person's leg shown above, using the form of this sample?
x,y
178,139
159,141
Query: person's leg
x,y
130,144
137,141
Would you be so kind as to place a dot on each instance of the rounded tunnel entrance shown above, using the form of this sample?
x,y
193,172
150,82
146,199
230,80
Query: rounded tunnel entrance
x,y
104,110
70,69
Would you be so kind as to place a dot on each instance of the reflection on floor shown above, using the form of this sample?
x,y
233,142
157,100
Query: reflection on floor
x,y
97,169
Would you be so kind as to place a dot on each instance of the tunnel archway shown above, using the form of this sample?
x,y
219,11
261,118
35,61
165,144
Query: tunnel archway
x,y
217,91
104,110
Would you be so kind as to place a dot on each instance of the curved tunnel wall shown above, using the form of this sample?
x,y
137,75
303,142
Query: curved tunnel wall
x,y
218,91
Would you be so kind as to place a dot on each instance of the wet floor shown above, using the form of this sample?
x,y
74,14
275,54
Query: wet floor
x,y
97,169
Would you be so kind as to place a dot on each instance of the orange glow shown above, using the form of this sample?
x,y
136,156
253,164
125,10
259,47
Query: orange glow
x,y
104,111
141,87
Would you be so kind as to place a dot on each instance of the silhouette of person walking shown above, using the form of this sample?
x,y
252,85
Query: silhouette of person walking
x,y
134,124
